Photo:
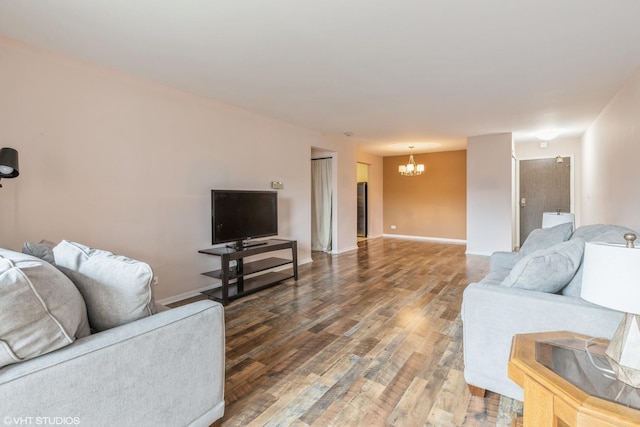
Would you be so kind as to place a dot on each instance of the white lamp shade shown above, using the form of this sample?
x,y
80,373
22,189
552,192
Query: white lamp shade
x,y
551,219
611,276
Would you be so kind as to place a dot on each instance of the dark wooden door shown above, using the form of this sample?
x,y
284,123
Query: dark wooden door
x,y
545,186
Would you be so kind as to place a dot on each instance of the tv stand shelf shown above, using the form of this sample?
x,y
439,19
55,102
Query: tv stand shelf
x,y
234,283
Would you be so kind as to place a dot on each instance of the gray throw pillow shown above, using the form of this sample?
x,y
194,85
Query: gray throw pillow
x,y
40,309
597,232
547,270
543,238
42,250
116,289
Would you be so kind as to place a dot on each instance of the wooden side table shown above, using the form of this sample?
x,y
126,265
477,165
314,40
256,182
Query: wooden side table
x,y
563,388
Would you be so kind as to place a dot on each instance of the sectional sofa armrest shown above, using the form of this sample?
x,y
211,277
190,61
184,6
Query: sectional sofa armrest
x,y
493,314
502,260
166,369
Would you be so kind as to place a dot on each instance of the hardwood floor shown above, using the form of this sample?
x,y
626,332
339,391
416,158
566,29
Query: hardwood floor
x,y
370,337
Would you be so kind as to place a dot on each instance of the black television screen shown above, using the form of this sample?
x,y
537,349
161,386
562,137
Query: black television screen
x,y
238,215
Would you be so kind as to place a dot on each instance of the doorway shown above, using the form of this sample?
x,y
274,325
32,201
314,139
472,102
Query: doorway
x,y
362,210
322,204
362,196
545,186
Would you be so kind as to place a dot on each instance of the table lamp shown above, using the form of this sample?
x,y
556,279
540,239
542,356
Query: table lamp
x,y
551,219
611,278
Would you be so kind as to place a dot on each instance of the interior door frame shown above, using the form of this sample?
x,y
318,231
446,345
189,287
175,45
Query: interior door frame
x,y
516,202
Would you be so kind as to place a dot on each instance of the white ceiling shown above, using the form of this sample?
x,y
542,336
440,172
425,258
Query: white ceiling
x,y
427,73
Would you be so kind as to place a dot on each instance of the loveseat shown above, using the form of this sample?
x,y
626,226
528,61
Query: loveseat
x,y
82,342
534,290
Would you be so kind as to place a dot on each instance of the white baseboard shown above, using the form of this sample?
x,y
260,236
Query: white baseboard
x,y
352,248
478,253
196,292
180,297
427,239
305,261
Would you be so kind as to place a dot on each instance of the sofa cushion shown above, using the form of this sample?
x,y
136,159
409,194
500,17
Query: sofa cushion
x,y
547,270
40,309
116,289
543,238
495,276
42,250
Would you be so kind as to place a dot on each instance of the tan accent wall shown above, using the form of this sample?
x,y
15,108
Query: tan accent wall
x,y
433,204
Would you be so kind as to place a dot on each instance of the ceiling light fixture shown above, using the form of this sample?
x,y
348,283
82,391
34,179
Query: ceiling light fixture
x,y
547,134
411,168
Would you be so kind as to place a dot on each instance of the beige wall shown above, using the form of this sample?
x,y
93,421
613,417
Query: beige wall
x,y
375,191
127,165
431,205
610,150
489,194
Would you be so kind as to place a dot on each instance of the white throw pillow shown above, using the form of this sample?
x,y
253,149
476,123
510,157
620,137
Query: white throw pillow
x,y
116,289
547,270
40,309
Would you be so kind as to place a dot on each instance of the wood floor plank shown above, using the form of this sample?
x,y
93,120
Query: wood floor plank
x,y
412,409
371,337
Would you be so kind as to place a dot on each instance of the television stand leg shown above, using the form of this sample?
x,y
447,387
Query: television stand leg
x,y
240,275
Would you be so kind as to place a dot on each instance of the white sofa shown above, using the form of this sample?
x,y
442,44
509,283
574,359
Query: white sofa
x,y
492,313
160,369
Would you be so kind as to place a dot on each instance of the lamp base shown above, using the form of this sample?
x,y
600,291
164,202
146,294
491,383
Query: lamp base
x,y
623,351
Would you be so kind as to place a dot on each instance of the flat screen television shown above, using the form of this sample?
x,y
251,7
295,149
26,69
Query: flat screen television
x,y
239,215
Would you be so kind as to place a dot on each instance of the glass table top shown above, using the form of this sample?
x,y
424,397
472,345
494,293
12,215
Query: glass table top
x,y
568,358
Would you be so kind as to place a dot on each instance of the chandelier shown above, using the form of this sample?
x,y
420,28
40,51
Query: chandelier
x,y
411,169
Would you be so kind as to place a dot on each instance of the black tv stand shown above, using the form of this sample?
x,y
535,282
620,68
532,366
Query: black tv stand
x,y
234,281
244,244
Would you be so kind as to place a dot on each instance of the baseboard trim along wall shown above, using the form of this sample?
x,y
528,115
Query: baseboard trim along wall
x,y
353,248
427,239
195,293
478,253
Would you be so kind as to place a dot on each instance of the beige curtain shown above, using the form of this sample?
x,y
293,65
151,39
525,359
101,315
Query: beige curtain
x,y
321,204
